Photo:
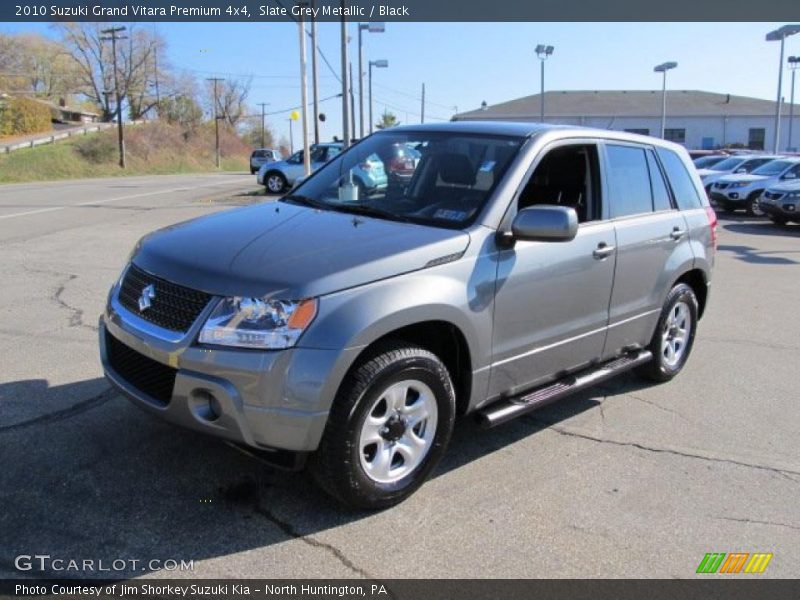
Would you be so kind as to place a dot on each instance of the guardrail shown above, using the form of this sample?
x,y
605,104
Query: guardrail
x,y
54,137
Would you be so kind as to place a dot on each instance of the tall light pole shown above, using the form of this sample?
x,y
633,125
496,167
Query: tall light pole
x,y
371,28
543,52
773,36
794,64
314,74
380,64
304,95
345,92
663,68
112,34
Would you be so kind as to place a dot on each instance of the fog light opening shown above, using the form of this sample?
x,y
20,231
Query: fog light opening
x,y
206,406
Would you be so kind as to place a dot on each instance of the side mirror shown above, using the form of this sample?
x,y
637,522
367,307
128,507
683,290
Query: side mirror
x,y
545,223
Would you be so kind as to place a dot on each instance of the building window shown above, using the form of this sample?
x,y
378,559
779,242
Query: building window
x,y
639,131
675,135
755,138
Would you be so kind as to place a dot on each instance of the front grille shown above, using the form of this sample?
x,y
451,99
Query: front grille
x,y
773,195
143,373
172,306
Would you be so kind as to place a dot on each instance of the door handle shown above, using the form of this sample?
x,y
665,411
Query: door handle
x,y
677,233
603,250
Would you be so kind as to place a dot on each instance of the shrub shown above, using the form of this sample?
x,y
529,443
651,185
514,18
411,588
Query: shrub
x,y
99,148
23,115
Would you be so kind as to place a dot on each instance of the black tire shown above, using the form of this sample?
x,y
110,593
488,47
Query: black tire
x,y
275,182
752,205
727,207
337,465
659,369
778,220
253,171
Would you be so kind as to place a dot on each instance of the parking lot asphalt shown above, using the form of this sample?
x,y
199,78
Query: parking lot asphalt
x,y
628,480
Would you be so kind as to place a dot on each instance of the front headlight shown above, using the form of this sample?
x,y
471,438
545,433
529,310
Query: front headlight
x,y
258,323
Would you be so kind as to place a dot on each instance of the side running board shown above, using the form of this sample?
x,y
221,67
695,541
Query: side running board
x,y
507,409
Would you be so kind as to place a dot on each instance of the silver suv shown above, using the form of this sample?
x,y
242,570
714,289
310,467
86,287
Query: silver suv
x,y
519,263
262,156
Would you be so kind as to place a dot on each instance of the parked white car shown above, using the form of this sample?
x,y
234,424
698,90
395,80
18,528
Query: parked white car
x,y
732,164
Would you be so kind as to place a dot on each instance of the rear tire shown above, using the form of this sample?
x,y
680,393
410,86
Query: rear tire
x,y
673,338
389,426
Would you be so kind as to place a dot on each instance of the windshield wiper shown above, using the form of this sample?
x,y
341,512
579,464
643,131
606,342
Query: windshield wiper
x,y
305,201
371,211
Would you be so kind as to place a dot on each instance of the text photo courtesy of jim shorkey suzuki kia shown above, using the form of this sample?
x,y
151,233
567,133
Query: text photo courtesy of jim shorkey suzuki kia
x,y
453,303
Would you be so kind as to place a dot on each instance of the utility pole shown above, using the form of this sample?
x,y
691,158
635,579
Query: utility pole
x,y
155,65
345,92
263,126
314,75
422,110
111,34
216,80
304,94
352,107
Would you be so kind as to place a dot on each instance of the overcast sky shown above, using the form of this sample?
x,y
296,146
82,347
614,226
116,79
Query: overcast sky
x,y
463,64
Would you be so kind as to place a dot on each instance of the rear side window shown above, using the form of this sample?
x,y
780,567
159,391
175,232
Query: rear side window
x,y
661,199
682,184
629,180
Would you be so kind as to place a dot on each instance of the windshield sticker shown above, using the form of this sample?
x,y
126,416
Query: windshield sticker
x,y
487,166
450,215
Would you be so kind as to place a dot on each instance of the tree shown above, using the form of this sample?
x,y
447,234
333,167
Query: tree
x,y
32,64
232,97
181,110
387,120
141,80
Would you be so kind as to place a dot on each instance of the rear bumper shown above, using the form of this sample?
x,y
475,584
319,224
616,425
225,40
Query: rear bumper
x,y
265,400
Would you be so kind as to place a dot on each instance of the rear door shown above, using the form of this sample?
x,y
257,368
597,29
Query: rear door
x,y
652,243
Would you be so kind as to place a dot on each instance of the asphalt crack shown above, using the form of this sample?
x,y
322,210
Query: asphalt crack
x,y
757,522
76,314
290,530
61,415
785,473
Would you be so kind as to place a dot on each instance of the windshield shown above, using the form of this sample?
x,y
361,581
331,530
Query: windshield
x,y
729,164
773,168
705,162
433,178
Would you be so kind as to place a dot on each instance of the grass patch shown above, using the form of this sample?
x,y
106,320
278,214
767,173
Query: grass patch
x,y
151,149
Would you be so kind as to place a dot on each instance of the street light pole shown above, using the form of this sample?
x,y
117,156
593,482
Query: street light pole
x,y
304,96
794,63
314,75
543,52
112,35
380,64
774,36
345,92
663,68
372,28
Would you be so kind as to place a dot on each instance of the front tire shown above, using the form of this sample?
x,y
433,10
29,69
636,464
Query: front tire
x,y
673,338
778,220
753,210
389,426
275,183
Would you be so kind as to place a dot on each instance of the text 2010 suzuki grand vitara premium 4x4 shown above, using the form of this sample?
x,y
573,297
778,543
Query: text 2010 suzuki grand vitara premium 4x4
x,y
519,263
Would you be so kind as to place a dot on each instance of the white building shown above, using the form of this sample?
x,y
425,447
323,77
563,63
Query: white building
x,y
698,120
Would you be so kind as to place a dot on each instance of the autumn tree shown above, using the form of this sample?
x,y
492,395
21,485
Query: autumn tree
x,y
35,65
387,120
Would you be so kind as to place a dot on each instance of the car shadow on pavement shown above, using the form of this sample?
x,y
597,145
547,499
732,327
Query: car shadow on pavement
x,y
762,227
758,257
99,478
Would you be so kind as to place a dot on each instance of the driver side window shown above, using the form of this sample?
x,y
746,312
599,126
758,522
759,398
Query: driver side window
x,y
566,176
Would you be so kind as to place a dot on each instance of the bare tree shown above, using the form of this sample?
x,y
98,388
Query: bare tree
x,y
232,97
33,64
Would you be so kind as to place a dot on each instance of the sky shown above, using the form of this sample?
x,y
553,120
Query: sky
x,y
463,64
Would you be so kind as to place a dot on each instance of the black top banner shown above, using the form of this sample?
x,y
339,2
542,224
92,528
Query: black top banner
x,y
399,10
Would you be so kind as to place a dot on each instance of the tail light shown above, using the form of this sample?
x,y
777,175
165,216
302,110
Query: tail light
x,y
712,222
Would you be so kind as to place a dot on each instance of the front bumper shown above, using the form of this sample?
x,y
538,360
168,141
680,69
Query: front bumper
x,y
729,196
270,400
787,209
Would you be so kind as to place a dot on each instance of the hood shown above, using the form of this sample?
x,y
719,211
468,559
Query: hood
x,y
741,177
292,252
707,172
785,186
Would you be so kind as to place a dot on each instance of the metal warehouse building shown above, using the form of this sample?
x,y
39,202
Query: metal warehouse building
x,y
695,119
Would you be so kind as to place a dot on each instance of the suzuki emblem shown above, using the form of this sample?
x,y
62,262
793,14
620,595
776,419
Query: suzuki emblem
x,y
148,294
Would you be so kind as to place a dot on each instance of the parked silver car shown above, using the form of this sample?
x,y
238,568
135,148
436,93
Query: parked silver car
x,y
518,264
737,165
781,202
279,176
736,191
263,156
